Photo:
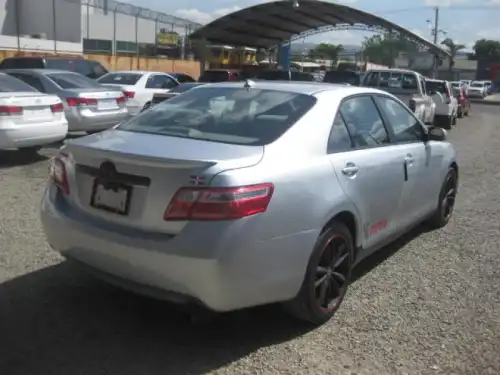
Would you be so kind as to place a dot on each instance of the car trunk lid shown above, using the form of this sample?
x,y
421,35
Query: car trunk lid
x,y
149,169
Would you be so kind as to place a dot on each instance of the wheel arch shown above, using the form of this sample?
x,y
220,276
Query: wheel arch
x,y
349,219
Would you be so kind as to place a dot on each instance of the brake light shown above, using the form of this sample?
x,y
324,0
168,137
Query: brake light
x,y
121,99
58,173
233,76
56,108
219,203
79,102
10,110
129,94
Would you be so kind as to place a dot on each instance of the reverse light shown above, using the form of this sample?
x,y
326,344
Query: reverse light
x,y
10,110
58,173
219,203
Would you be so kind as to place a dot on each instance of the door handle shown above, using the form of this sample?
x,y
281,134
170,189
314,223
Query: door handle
x,y
409,159
350,169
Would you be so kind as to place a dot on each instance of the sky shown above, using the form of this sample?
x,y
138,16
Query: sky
x,y
464,21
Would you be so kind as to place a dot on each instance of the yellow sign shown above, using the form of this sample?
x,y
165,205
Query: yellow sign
x,y
167,38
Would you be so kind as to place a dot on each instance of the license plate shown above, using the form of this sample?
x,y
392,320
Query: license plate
x,y
106,104
37,113
111,196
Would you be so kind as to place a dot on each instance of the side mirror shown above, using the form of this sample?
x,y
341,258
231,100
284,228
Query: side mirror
x,y
436,134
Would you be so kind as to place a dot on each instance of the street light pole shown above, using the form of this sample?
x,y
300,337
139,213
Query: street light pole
x,y
435,30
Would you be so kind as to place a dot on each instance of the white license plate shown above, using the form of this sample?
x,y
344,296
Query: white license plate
x,y
107,104
37,113
113,198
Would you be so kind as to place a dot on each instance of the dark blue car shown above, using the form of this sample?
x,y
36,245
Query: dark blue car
x,y
493,88
182,78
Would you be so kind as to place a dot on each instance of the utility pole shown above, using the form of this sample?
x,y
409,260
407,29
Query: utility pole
x,y
435,30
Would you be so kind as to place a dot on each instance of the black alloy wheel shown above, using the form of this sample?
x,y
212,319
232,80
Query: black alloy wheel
x,y
446,203
327,277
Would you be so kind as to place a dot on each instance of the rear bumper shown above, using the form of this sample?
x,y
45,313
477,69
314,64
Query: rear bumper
x,y
97,121
222,265
30,135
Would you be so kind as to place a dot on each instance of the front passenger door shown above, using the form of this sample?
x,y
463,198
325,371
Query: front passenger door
x,y
421,164
370,172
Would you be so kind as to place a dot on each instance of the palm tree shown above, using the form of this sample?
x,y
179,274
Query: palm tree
x,y
453,48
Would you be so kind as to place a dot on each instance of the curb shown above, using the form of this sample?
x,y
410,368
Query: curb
x,y
485,102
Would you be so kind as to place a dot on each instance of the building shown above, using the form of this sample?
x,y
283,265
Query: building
x,y
93,26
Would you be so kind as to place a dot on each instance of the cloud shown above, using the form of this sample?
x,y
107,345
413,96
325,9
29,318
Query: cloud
x,y
493,33
196,15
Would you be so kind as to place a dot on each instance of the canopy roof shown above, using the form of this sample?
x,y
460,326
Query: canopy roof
x,y
271,23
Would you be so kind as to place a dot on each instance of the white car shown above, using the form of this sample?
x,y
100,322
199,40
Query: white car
x,y
139,86
446,111
28,119
477,89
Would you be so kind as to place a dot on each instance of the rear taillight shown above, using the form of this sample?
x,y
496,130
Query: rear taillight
x,y
219,203
233,76
412,105
10,110
129,94
58,173
120,100
79,102
56,108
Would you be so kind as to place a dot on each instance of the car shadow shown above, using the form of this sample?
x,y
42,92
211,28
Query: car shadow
x,y
59,320
16,158
380,256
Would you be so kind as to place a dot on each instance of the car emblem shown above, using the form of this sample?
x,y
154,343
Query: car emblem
x,y
107,170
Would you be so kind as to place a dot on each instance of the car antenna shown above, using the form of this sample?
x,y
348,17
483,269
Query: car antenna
x,y
248,84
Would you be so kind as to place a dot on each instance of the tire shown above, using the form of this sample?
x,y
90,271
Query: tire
x,y
448,122
466,113
460,113
454,120
335,241
446,203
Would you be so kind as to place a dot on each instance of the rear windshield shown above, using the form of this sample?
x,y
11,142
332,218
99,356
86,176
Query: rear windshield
x,y
120,78
477,84
274,75
183,87
351,78
72,81
21,63
11,84
214,76
227,115
436,86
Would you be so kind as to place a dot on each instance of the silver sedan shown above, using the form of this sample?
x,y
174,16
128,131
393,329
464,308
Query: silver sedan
x,y
88,105
247,193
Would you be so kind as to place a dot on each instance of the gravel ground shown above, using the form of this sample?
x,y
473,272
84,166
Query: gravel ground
x,y
430,304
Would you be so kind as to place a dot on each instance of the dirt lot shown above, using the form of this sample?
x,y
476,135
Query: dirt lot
x,y
428,305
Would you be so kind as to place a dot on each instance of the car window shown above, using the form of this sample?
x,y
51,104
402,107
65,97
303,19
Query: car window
x,y
222,114
339,139
97,70
274,75
182,78
30,80
129,79
160,81
214,76
62,64
364,122
12,84
477,84
73,81
437,86
403,124
22,63
371,80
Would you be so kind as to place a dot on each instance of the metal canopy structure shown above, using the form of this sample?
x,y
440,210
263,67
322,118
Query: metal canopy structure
x,y
269,24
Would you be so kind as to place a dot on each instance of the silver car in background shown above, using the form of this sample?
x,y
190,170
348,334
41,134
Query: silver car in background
x,y
88,105
246,193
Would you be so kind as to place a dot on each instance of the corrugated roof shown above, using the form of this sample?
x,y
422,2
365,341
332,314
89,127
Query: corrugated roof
x,y
271,23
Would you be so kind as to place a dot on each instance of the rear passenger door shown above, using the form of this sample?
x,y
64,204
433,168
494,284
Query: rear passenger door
x,y
369,169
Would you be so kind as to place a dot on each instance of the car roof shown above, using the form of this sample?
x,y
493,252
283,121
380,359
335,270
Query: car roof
x,y
395,70
41,71
298,87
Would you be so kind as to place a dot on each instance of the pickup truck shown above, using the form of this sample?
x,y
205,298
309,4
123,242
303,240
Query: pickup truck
x,y
408,86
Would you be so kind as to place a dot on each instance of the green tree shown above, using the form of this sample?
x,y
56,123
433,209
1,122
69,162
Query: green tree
x,y
453,48
326,51
487,49
384,48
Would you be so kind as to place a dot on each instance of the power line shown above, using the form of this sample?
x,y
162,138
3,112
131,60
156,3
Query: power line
x,y
444,9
